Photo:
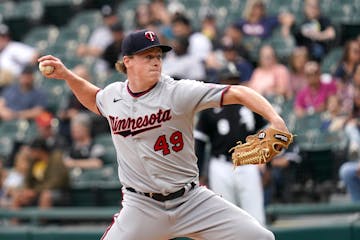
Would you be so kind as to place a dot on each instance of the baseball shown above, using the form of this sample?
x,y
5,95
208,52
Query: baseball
x,y
46,69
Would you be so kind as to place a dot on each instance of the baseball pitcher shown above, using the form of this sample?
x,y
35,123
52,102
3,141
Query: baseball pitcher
x,y
151,122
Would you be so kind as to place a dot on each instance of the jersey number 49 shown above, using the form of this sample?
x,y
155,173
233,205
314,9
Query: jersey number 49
x,y
175,140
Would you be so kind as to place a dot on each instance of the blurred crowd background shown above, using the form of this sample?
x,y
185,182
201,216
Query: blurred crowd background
x,y
303,56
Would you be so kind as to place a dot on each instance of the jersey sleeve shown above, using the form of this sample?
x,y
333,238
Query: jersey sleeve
x,y
191,95
105,97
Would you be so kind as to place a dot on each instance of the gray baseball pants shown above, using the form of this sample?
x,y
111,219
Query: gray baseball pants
x,y
200,214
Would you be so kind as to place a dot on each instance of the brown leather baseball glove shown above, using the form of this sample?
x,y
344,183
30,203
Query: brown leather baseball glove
x,y
261,147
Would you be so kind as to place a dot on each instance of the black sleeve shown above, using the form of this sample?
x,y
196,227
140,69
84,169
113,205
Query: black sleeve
x,y
200,147
260,122
324,22
202,127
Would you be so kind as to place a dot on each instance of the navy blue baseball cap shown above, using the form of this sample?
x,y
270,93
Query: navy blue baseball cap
x,y
139,41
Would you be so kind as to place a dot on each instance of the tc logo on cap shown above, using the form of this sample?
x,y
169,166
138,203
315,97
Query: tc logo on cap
x,y
150,35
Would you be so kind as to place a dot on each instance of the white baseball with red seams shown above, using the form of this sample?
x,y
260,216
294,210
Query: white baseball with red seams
x,y
46,69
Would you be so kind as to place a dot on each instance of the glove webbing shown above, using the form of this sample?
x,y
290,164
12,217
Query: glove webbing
x,y
253,156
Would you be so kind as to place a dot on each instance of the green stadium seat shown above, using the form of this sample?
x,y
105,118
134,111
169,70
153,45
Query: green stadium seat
x,y
297,209
11,233
31,9
356,230
312,137
14,130
7,8
252,45
59,12
341,12
111,77
96,193
282,46
331,60
56,93
110,154
23,17
278,6
68,234
6,146
88,18
41,37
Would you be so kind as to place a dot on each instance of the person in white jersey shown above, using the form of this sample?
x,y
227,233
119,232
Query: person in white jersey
x,y
151,122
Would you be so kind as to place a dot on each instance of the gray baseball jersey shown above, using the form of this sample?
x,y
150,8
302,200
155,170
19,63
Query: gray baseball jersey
x,y
153,132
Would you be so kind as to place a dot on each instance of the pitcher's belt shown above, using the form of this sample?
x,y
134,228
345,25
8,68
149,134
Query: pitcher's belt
x,y
162,198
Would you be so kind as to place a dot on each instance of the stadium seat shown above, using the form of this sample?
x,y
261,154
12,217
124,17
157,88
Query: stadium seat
x,y
252,45
88,18
96,193
18,233
331,60
59,12
56,92
111,77
310,133
15,130
110,154
22,17
6,146
282,46
41,37
7,8
278,6
32,10
341,11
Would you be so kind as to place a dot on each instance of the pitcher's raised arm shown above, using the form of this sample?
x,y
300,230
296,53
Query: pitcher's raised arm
x,y
83,89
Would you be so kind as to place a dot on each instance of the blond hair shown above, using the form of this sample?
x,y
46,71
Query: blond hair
x,y
249,6
120,67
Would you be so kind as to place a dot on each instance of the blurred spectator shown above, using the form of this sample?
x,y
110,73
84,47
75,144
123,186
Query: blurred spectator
x,y
14,178
143,16
47,130
333,118
209,28
270,78
220,128
178,62
159,13
346,89
14,57
316,31
72,106
101,37
298,59
352,127
22,100
83,153
231,55
233,36
350,174
313,97
256,23
112,52
199,45
46,181
356,77
227,55
350,171
283,176
349,60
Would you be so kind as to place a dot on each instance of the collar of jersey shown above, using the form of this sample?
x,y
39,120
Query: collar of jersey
x,y
139,94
